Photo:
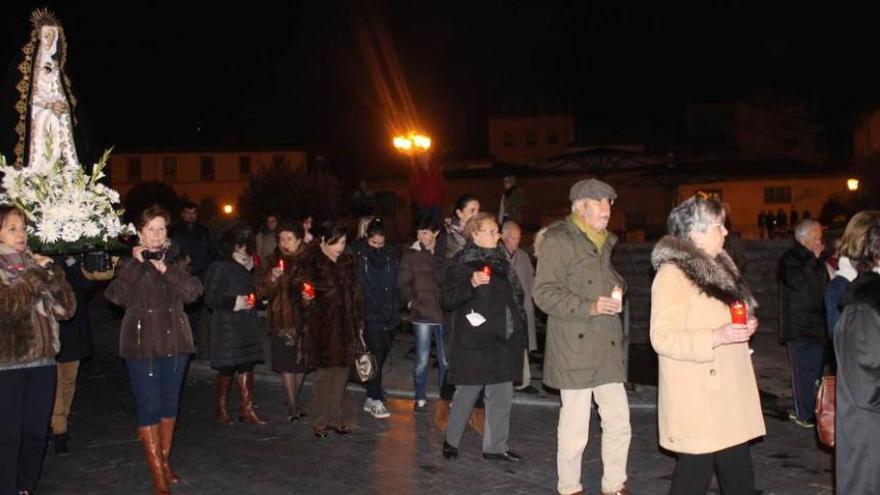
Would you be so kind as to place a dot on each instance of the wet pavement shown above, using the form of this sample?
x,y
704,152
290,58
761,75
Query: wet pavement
x,y
400,455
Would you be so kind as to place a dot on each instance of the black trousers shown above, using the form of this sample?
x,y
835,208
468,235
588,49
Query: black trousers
x,y
26,397
378,341
733,466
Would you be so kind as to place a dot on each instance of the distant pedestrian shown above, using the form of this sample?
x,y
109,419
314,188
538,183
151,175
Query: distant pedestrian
x,y
512,199
266,237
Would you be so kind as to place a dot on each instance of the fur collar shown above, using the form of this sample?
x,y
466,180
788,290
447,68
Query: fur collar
x,y
865,289
717,278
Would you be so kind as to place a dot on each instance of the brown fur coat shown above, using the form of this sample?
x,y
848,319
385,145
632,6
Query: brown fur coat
x,y
334,319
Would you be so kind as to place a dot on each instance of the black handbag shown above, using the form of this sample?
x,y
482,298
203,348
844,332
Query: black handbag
x,y
364,361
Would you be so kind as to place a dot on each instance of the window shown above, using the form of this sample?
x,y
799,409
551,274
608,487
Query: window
x,y
244,166
207,168
169,168
552,137
509,138
278,159
777,195
531,137
134,169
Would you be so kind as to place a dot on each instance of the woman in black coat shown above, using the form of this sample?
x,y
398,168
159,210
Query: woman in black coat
x,y
236,339
857,347
488,337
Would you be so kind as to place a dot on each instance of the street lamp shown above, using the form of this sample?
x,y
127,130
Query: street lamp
x,y
228,208
852,184
413,142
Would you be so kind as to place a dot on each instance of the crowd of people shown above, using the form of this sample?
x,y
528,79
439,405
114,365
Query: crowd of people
x,y
468,290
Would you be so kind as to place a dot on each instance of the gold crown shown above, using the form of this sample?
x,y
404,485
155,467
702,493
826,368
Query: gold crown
x,y
44,17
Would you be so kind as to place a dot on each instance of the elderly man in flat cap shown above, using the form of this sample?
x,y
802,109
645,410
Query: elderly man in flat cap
x,y
581,293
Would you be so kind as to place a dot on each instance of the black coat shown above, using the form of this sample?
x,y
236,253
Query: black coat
x,y
377,271
491,352
802,279
75,333
857,347
196,242
236,337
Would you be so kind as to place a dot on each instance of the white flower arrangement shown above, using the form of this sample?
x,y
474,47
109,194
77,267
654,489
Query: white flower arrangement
x,y
67,209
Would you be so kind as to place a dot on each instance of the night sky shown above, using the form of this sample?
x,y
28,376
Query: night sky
x,y
164,74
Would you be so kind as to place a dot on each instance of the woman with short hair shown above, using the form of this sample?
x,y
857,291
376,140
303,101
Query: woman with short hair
x,y
708,403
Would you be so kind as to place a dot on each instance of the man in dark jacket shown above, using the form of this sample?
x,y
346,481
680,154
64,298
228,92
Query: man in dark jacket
x,y
378,267
194,241
802,279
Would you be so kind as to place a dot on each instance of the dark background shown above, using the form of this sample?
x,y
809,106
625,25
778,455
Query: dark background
x,y
161,74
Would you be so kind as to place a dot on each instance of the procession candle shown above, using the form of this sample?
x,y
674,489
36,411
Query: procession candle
x,y
739,313
252,299
487,270
308,289
617,293
281,264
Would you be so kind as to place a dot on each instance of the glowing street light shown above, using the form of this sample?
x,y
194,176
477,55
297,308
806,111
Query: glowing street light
x,y
412,143
228,209
852,184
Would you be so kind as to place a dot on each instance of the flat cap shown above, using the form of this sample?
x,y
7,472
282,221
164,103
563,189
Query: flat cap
x,y
593,189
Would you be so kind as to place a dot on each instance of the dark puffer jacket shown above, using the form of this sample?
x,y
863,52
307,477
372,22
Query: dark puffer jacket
x,y
236,338
377,271
421,273
802,281
154,324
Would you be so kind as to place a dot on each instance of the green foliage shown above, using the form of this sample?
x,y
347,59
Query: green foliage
x,y
281,190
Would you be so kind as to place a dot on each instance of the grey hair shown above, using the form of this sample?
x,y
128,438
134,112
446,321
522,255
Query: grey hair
x,y
696,213
804,226
510,225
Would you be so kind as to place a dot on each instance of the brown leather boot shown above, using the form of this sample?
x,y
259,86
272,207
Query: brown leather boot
x,y
149,436
477,420
441,414
246,413
223,384
166,436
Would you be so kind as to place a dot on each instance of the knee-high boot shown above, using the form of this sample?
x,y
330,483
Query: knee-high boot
x,y
149,436
246,413
222,390
166,436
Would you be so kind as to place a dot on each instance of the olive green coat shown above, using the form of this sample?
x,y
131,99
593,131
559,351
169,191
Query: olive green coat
x,y
582,351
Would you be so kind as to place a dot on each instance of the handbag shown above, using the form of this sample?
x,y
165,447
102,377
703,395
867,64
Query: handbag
x,y
364,361
825,407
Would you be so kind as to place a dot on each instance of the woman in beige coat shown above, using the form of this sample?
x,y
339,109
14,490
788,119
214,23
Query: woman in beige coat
x,y
708,405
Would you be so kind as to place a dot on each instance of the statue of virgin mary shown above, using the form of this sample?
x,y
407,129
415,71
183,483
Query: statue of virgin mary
x,y
46,125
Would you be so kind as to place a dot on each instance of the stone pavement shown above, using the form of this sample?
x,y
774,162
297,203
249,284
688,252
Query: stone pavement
x,y
400,455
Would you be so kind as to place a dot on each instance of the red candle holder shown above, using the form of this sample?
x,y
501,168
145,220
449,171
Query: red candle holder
x,y
487,270
308,289
739,313
252,299
281,264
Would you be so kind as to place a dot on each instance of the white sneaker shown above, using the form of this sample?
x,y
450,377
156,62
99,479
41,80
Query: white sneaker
x,y
377,409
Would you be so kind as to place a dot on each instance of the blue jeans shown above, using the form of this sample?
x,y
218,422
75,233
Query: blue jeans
x,y
422,333
156,383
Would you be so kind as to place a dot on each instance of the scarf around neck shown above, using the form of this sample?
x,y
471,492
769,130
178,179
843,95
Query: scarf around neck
x,y
596,237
